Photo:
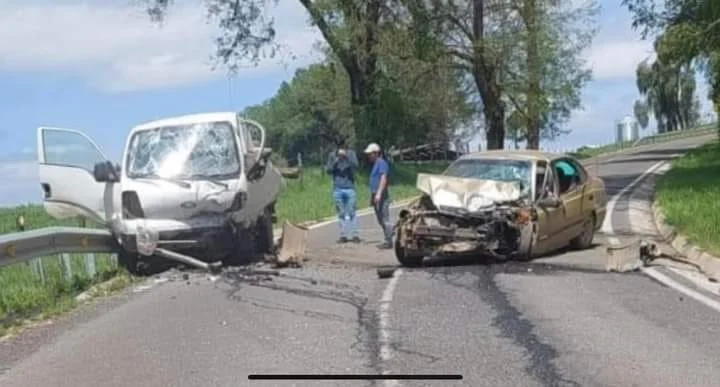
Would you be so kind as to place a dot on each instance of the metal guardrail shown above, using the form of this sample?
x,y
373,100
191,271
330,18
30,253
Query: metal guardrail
x,y
678,134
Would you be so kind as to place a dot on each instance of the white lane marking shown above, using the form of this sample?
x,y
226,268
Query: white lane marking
x,y
697,278
662,278
650,272
385,302
610,206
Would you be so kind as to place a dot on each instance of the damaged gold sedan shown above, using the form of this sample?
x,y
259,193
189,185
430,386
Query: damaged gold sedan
x,y
502,204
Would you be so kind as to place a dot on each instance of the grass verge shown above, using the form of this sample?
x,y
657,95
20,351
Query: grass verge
x,y
689,194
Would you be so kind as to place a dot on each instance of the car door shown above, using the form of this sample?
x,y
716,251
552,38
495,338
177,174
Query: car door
x,y
550,219
263,190
66,161
571,187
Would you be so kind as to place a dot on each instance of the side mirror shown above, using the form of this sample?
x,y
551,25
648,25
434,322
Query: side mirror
x,y
550,202
106,172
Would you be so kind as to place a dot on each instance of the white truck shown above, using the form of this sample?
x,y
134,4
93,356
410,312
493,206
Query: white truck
x,y
197,187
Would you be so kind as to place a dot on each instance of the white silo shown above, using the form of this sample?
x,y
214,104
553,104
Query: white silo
x,y
627,130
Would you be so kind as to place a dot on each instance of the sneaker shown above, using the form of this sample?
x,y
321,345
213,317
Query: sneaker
x,y
342,240
356,240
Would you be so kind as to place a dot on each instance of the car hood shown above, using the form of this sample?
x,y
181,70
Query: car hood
x,y
457,192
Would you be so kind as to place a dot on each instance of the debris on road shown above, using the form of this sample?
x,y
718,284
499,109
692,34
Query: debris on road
x,y
640,253
386,271
292,245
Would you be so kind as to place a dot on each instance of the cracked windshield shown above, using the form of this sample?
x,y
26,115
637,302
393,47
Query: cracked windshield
x,y
184,151
500,193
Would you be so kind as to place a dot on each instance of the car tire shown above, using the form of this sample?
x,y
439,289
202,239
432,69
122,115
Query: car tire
x,y
585,239
404,257
527,240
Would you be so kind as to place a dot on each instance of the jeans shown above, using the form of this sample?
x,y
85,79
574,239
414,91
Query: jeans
x,y
382,213
345,200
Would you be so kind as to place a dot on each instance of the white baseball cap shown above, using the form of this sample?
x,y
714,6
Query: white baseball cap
x,y
372,147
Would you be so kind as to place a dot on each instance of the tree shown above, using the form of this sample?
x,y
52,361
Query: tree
x,y
669,92
686,31
548,73
349,27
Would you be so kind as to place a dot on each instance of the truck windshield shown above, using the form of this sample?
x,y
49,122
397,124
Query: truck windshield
x,y
204,150
493,169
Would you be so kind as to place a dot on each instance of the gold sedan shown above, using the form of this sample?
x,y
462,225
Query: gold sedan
x,y
506,204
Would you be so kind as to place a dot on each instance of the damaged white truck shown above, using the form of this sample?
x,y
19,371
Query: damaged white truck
x,y
502,204
197,188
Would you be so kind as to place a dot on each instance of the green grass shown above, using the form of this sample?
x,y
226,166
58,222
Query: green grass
x,y
689,194
312,199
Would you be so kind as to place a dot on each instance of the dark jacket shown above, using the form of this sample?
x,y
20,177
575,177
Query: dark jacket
x,y
342,170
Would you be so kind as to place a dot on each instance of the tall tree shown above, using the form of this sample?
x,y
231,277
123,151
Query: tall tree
x,y
349,27
547,76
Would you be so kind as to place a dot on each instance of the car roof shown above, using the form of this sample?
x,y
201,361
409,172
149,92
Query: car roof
x,y
510,154
188,119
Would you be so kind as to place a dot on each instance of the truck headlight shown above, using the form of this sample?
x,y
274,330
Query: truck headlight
x,y
146,240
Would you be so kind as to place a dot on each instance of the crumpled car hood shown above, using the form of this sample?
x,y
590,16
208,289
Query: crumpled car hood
x,y
457,192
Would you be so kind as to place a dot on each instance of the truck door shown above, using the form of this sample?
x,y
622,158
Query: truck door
x,y
66,160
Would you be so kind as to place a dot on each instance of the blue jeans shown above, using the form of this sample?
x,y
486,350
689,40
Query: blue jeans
x,y
382,213
345,200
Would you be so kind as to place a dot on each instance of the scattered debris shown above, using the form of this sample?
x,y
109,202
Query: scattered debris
x,y
292,245
386,271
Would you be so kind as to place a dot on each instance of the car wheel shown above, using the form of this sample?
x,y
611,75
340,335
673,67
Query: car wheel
x,y
527,239
135,265
405,258
585,240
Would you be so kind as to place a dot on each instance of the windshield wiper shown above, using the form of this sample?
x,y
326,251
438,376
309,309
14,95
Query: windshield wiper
x,y
181,183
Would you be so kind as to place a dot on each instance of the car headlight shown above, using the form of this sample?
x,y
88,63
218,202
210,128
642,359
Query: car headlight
x,y
479,202
146,240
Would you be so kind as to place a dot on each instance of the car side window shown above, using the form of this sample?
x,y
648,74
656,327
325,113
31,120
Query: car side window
x,y
70,149
569,176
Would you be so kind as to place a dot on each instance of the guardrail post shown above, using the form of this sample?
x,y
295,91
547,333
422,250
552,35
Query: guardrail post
x,y
67,265
90,265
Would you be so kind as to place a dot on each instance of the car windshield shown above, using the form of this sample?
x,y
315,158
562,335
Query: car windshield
x,y
493,169
187,151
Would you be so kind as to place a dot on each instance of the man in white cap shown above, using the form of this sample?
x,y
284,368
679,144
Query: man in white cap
x,y
379,193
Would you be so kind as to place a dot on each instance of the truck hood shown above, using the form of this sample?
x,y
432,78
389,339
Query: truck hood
x,y
467,194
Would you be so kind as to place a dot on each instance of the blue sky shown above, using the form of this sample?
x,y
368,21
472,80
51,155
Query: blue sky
x,y
101,67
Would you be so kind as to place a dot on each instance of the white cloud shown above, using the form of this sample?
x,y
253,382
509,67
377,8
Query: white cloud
x,y
617,59
114,46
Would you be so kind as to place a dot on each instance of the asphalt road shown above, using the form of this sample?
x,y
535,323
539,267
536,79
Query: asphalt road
x,y
557,321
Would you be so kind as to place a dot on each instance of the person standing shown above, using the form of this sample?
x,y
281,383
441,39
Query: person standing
x,y
379,192
342,165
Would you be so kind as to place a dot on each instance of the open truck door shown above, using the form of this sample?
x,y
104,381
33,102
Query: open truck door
x,y
69,162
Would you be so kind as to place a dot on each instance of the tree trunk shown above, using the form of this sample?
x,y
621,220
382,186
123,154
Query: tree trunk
x,y
534,74
494,123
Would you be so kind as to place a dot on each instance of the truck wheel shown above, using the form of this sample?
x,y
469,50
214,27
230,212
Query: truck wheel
x,y
404,257
264,240
130,262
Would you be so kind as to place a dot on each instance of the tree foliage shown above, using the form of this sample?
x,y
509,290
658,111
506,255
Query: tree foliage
x,y
404,72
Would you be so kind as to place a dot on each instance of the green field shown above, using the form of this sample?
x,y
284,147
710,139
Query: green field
x,y
26,293
689,195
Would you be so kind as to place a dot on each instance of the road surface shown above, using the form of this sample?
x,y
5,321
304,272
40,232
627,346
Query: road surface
x,y
557,321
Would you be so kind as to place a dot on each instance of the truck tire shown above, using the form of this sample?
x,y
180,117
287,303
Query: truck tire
x,y
263,233
131,262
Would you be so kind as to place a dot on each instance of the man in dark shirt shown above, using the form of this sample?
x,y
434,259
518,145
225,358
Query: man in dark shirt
x,y
341,166
379,192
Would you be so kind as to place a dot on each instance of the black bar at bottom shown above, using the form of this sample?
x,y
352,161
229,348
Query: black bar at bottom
x,y
355,377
